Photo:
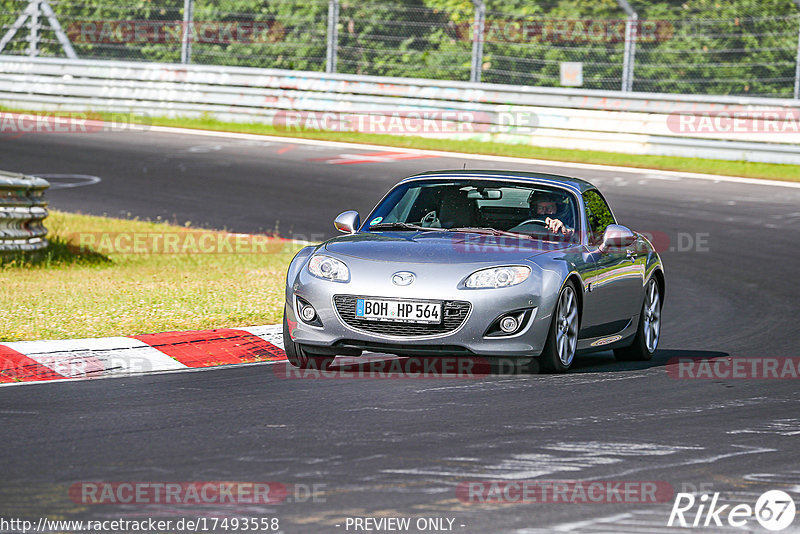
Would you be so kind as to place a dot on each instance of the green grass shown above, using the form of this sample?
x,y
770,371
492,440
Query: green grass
x,y
70,292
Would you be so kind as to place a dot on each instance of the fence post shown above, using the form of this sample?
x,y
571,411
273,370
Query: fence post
x,y
56,27
797,60
186,38
797,69
629,55
477,41
33,37
333,35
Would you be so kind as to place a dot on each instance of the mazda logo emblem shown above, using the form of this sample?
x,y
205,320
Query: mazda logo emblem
x,y
403,278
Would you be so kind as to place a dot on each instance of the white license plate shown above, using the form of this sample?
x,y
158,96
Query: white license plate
x,y
404,311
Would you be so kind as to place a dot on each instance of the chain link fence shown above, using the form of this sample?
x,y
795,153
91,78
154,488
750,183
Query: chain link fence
x,y
282,34
713,47
402,39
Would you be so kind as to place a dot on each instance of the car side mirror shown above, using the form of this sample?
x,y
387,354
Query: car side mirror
x,y
617,236
348,222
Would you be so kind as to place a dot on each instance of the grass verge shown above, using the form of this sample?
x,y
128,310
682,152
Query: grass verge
x,y
105,291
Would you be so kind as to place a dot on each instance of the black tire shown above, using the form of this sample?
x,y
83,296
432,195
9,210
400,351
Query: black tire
x,y
639,350
551,359
298,357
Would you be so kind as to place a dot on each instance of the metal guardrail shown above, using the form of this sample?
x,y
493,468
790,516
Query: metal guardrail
x,y
741,47
23,209
639,123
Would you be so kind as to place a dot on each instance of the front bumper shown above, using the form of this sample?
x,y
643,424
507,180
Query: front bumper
x,y
485,306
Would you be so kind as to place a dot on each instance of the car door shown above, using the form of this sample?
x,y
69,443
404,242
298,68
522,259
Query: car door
x,y
615,285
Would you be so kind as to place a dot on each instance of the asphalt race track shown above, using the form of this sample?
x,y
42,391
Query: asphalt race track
x,y
400,447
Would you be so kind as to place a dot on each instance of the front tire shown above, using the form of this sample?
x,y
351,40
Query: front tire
x,y
645,341
562,338
298,357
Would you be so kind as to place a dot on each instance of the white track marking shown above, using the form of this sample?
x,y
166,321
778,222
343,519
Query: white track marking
x,y
694,461
582,456
654,520
79,358
77,180
781,427
653,176
784,481
518,467
651,173
620,449
270,333
635,522
201,149
665,412
575,525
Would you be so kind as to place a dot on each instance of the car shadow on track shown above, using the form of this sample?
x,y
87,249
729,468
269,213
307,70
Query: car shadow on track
x,y
373,365
604,362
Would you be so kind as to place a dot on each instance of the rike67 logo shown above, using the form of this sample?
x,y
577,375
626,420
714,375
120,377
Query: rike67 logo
x,y
774,510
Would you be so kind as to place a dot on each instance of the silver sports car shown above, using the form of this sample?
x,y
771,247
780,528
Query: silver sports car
x,y
477,263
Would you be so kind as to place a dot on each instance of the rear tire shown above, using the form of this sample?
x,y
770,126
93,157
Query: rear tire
x,y
562,338
645,341
298,357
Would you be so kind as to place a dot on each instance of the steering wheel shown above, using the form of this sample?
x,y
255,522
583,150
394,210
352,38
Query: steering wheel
x,y
429,219
533,221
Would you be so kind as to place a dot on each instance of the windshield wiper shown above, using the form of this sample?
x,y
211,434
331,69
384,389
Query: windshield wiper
x,y
400,226
488,231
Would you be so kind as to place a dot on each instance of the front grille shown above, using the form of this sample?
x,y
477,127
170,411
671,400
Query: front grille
x,y
454,312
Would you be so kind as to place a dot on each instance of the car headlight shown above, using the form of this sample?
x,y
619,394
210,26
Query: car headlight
x,y
328,268
498,277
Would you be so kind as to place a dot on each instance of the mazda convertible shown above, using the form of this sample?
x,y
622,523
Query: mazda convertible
x,y
528,267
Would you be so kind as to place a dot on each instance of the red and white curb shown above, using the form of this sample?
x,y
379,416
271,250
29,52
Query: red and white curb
x,y
27,361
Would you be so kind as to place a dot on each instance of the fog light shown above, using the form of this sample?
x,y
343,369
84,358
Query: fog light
x,y
308,313
509,324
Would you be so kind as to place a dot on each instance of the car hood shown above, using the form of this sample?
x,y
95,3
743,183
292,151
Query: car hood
x,y
438,247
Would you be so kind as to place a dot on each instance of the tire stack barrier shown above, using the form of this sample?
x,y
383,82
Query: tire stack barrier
x,y
23,209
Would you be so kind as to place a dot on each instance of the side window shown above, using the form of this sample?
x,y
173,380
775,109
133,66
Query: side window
x,y
598,214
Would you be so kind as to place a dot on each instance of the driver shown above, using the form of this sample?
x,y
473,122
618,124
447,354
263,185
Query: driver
x,y
551,208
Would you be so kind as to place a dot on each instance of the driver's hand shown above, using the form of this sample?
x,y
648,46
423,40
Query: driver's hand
x,y
555,226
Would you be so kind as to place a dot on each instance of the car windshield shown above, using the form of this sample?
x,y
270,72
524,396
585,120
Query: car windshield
x,y
480,206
